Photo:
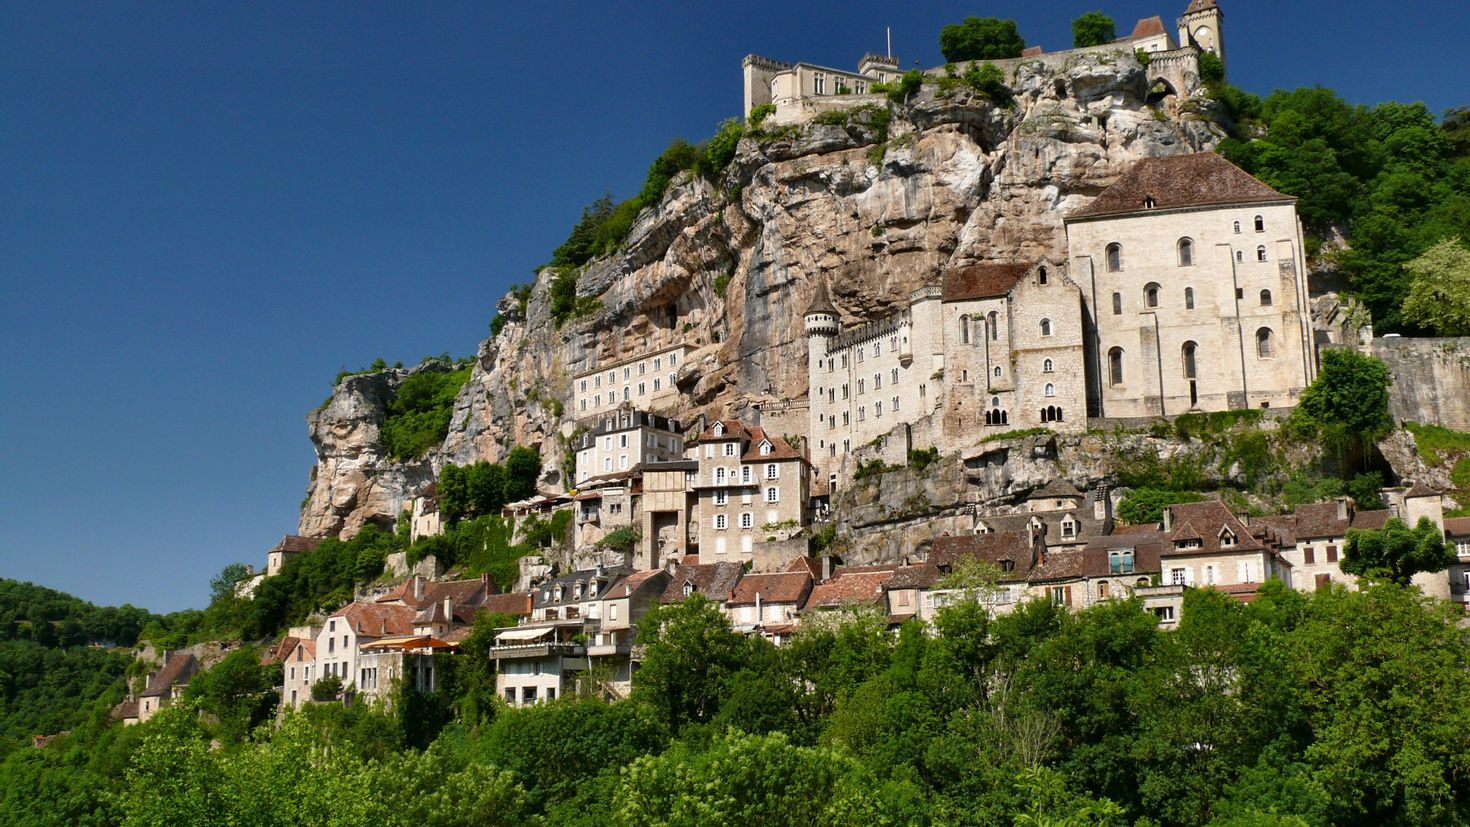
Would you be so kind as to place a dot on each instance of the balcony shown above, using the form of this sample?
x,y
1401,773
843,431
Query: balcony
x,y
537,649
609,649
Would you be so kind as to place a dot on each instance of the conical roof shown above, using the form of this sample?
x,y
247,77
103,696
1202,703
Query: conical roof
x,y
821,302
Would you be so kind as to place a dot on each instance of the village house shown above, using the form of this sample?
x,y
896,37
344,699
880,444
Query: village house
x,y
1195,293
346,630
749,485
714,581
296,671
625,439
1206,544
1457,535
851,587
1066,517
543,659
765,600
167,684
645,382
610,647
424,517
667,515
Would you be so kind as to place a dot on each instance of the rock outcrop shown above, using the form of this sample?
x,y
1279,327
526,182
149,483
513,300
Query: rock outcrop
x,y
874,213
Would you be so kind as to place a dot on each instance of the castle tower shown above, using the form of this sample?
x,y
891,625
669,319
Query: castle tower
x,y
1203,26
821,317
821,326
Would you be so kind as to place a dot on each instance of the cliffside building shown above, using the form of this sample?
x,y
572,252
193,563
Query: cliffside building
x,y
1195,293
749,484
646,382
625,439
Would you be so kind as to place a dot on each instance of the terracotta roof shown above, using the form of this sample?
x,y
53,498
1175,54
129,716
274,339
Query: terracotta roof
x,y
821,302
1148,27
1419,489
633,582
126,709
1068,564
1284,526
734,429
922,576
1146,528
177,669
1374,520
780,448
1204,521
294,544
460,592
810,565
282,650
787,587
308,650
511,603
1032,51
1457,527
377,619
848,587
1202,179
987,548
1318,520
982,281
715,581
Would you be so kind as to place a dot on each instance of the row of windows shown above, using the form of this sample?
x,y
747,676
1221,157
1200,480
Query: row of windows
x,y
658,365
1185,248
773,472
993,328
1152,295
1188,355
612,396
747,519
839,85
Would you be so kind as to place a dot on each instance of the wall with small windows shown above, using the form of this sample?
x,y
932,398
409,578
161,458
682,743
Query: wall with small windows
x,y
645,382
1193,309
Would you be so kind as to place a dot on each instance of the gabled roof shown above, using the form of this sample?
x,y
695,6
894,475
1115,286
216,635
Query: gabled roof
x,y
982,281
377,619
1372,520
1203,179
1457,527
1206,521
1148,27
715,581
511,603
295,544
849,588
282,650
1056,489
1419,489
636,582
177,669
786,587
460,592
987,548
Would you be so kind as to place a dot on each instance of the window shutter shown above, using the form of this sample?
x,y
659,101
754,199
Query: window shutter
x,y
1067,595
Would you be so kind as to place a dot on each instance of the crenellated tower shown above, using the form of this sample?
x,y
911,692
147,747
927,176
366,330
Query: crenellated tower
x,y
1202,25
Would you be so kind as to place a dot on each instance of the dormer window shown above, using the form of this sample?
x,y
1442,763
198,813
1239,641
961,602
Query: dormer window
x,y
765,448
577,592
558,594
1069,529
719,429
688,589
1226,538
1148,203
592,589
1007,566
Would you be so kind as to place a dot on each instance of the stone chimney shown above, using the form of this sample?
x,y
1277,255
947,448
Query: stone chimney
x,y
1168,519
487,584
1342,508
449,610
418,587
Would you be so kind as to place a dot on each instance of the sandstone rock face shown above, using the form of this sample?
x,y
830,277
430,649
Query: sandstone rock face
x,y
959,180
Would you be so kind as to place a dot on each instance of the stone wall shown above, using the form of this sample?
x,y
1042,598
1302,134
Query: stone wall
x,y
1431,379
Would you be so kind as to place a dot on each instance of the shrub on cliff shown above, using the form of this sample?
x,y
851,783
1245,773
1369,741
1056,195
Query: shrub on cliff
x,y
418,416
1093,29
981,38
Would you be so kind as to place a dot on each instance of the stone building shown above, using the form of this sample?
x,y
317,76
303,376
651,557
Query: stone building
x,y
1457,536
749,485
783,84
1194,289
610,647
624,439
347,630
167,684
992,347
542,660
1205,544
1064,516
667,515
646,382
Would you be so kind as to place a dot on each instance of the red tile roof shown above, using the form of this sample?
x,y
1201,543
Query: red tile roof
x,y
177,669
282,650
1457,527
377,619
294,544
1372,520
982,281
1202,179
787,587
715,581
1205,521
850,587
1148,27
512,603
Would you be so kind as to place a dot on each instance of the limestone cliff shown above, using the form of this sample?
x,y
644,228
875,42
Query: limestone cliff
x,y
958,180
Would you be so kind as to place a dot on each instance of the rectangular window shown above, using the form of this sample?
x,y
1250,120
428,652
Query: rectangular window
x,y
745,473
877,410
895,404
747,520
1332,554
893,374
622,440
721,497
721,522
729,449
1309,555
819,83
773,494
1177,576
773,471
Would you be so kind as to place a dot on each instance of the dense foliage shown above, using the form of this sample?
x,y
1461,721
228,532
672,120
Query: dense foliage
x,y
980,38
418,417
1395,181
1347,404
320,581
1439,295
1340,707
485,487
1396,552
1093,29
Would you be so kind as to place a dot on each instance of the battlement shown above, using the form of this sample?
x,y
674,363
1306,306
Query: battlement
x,y
869,331
885,60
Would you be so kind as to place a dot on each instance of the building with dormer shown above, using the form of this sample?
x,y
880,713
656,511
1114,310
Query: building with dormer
x,y
749,485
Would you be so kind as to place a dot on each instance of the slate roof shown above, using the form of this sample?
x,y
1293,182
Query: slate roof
x,y
786,587
715,581
460,592
1056,489
604,579
177,669
849,587
1203,179
1068,564
982,281
1145,528
821,302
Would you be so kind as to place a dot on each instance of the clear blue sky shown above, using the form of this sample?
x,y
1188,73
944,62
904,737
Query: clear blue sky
x,y
210,208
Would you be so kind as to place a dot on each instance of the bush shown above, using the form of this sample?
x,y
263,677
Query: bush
x,y
1211,68
620,539
418,417
979,38
759,113
720,150
989,81
1146,505
921,458
327,689
1093,29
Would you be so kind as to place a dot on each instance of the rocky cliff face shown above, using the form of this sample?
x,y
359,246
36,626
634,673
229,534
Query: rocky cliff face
x,y
959,180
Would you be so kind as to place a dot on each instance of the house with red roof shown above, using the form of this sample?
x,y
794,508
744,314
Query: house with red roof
x,y
750,485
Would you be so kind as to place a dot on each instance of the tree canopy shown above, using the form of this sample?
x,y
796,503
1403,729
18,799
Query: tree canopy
x,y
1396,552
1093,29
1439,295
981,38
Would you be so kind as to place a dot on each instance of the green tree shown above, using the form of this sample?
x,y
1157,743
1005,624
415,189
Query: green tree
x,y
689,654
981,38
1348,401
238,692
326,689
1093,29
1146,505
222,586
522,470
1396,552
1439,296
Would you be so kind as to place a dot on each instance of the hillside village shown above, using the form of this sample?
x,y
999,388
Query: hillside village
x,y
1182,288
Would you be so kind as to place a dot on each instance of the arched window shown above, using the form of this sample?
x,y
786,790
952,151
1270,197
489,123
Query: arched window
x,y
1186,252
1041,276
1051,390
1239,256
997,371
1115,257
1261,253
1265,298
1189,298
1046,327
995,401
1260,224
1187,356
1263,343
965,329
1151,295
1115,366
1237,228
1046,366
1117,304
992,320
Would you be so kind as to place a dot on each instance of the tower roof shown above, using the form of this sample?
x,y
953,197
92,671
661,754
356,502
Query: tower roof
x,y
1201,5
1202,179
821,303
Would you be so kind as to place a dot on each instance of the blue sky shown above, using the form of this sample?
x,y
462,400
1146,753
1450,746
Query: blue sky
x,y
210,208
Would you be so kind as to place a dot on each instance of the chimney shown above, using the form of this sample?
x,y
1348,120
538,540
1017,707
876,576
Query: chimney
x,y
418,587
1342,508
448,609
487,584
1168,519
